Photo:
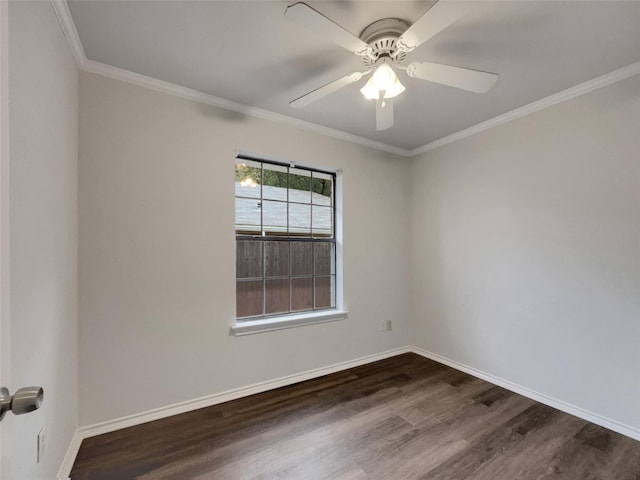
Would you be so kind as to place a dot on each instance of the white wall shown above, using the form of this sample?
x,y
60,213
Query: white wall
x,y
5,325
157,251
526,251
43,232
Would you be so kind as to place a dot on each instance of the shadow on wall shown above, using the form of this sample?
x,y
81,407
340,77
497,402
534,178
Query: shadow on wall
x,y
222,113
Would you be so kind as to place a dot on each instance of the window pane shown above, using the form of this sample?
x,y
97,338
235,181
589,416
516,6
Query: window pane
x,y
301,258
248,179
322,221
248,259
301,294
325,287
277,277
299,219
276,296
299,185
248,298
274,182
276,259
248,216
324,258
274,217
322,187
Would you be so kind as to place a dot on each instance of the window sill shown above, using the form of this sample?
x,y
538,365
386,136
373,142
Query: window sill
x,y
249,327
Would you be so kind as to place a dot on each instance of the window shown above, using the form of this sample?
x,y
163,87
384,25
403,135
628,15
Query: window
x,y
285,239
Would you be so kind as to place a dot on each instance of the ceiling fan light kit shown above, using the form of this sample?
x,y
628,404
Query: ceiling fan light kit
x,y
384,45
382,83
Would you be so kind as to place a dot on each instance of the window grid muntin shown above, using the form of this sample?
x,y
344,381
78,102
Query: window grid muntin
x,y
314,276
311,237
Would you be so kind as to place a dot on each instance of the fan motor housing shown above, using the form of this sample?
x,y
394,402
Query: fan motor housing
x,y
382,36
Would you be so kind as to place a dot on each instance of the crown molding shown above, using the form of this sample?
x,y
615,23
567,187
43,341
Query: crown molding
x,y
71,34
65,19
68,27
197,96
563,96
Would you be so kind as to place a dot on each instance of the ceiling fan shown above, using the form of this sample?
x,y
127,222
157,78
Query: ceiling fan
x,y
383,47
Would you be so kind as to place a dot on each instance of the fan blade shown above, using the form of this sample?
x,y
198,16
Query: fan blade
x,y
304,15
432,22
464,78
384,113
325,90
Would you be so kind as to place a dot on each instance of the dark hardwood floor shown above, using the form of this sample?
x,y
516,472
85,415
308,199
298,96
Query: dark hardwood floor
x,y
401,418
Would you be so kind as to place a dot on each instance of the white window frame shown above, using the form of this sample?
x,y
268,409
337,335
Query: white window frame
x,y
278,322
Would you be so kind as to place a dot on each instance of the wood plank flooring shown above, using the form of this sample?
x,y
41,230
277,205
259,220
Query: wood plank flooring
x,y
405,417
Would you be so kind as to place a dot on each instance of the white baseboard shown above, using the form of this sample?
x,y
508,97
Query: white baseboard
x,y
626,430
70,457
209,400
202,402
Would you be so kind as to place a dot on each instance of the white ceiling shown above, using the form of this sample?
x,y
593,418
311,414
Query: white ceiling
x,y
248,52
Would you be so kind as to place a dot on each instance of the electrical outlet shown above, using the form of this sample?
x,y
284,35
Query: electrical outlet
x,y
386,326
41,444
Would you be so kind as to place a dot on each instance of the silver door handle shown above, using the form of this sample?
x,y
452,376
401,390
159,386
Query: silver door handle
x,y
25,400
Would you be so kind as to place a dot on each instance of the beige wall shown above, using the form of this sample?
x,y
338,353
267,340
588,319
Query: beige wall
x,y
523,251
157,251
43,233
526,251
518,248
